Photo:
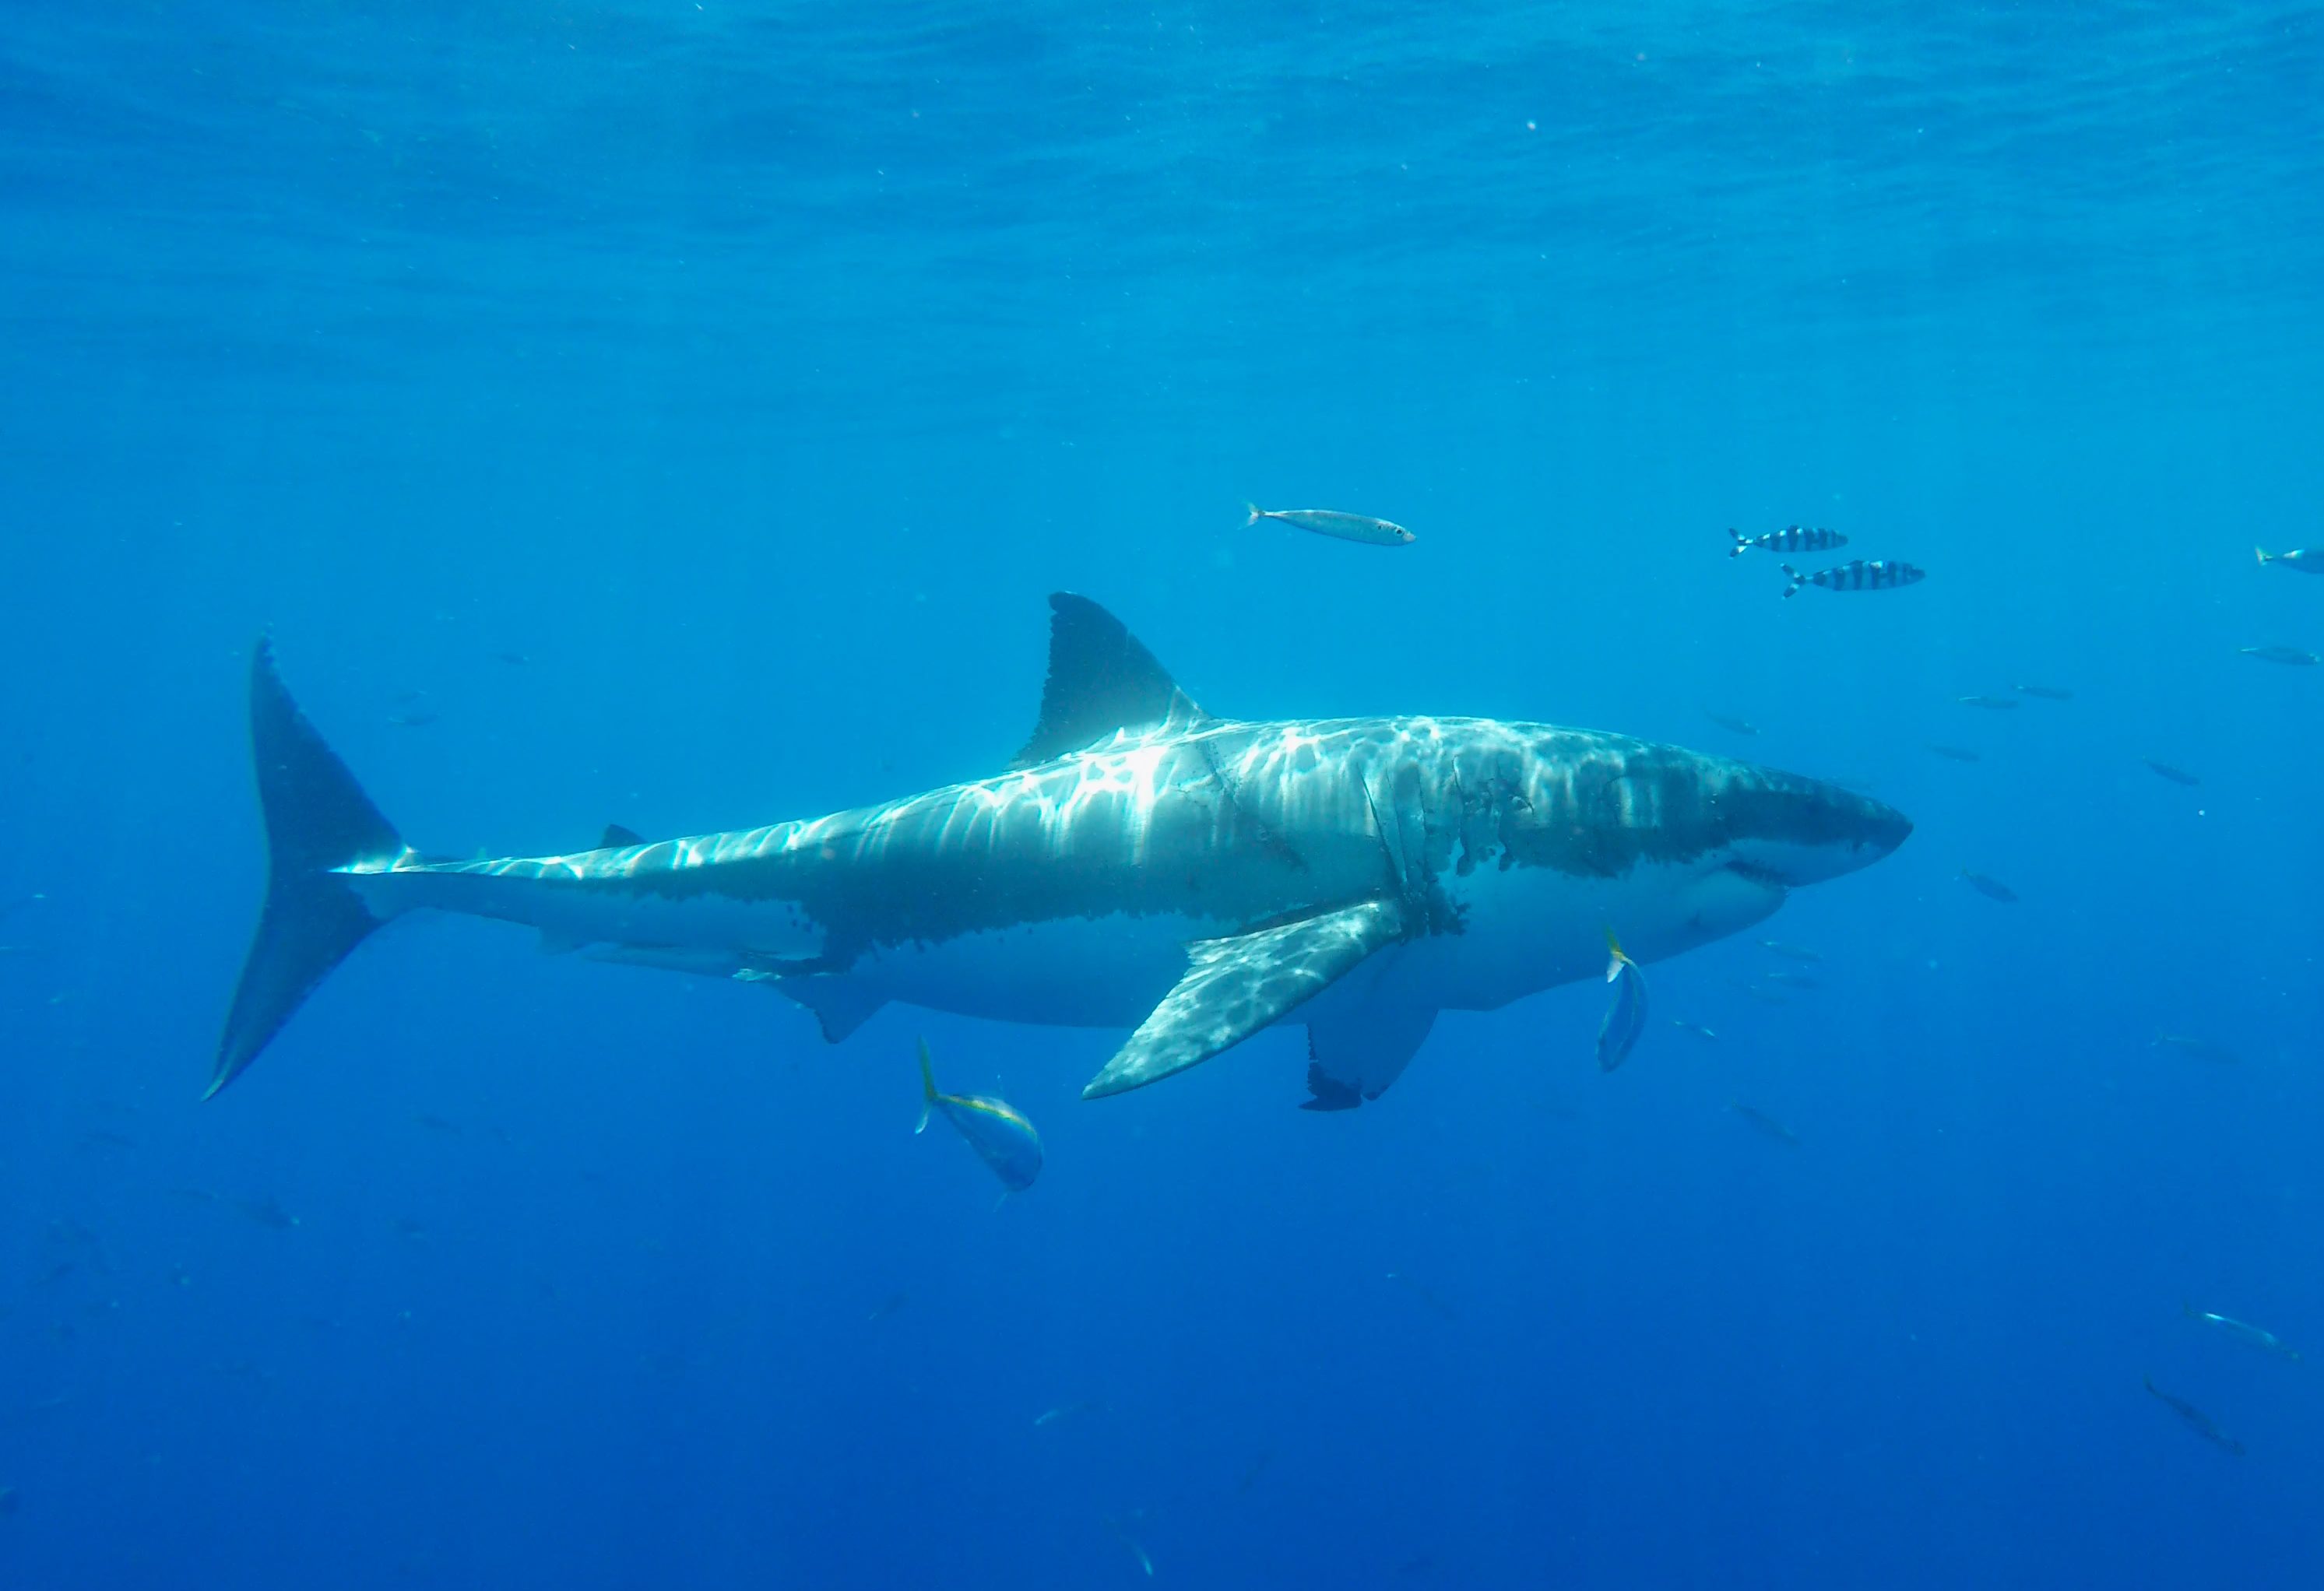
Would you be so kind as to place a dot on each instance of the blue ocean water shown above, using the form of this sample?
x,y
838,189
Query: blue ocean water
x,y
676,414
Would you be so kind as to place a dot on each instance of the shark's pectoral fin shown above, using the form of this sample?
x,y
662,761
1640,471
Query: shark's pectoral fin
x,y
841,1005
1361,1048
1234,986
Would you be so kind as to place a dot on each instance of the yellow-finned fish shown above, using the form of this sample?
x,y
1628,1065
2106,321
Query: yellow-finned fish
x,y
1626,1018
996,1130
2308,560
1360,527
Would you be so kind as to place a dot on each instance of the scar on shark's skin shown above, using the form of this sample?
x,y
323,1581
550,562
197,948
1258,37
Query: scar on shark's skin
x,y
1141,864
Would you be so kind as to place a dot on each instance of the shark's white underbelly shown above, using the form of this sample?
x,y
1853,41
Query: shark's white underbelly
x,y
1523,930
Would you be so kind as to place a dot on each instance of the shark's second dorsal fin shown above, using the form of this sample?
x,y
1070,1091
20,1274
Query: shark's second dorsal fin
x,y
1101,680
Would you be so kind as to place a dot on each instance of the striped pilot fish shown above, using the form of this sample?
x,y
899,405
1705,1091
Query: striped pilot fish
x,y
1861,575
1791,539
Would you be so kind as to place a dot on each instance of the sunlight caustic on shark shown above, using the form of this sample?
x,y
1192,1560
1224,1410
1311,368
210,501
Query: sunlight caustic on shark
x,y
1141,864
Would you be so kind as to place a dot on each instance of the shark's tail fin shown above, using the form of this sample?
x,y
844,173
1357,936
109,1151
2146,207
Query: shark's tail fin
x,y
317,820
1798,580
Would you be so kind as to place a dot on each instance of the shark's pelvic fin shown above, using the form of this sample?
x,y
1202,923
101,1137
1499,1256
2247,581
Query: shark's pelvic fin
x,y
1234,986
317,819
841,1004
1101,680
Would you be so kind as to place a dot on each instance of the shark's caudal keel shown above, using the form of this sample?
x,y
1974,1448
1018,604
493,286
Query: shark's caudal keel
x,y
1141,865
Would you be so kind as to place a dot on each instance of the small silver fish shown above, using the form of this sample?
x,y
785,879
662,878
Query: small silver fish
x,y
1790,952
2243,1331
1958,754
1360,527
2046,693
1733,726
2198,1049
2308,560
1862,575
1990,704
1991,888
2177,776
2290,657
1790,538
1696,1028
1763,1122
1794,979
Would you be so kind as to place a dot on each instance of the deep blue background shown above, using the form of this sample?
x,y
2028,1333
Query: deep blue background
x,y
752,372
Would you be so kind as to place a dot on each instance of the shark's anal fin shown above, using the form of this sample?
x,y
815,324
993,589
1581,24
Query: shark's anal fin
x,y
1353,1055
1101,680
1234,986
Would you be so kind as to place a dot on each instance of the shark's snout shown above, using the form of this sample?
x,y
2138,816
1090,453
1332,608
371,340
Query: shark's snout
x,y
1804,831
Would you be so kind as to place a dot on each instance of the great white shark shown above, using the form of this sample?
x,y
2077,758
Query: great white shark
x,y
1141,864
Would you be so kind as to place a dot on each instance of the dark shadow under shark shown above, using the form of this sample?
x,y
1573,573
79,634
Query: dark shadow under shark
x,y
1142,864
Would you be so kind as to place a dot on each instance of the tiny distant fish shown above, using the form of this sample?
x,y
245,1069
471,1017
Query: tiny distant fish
x,y
2291,656
1067,1410
2243,1331
267,1213
1794,979
1765,1123
2199,1049
7,1500
437,1124
1863,575
1991,888
1790,952
2046,693
2308,560
412,719
886,1307
1696,1028
2177,776
101,1138
1733,726
513,659
1436,1306
1958,753
10,908
1136,1551
994,1128
1791,539
2195,1419
1360,527
409,1229
1626,1018
1765,996
1257,1467
1990,704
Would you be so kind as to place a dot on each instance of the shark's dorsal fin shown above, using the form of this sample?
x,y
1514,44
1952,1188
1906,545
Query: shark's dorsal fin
x,y
618,838
1101,680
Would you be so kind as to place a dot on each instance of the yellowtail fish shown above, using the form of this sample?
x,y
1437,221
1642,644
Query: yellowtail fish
x,y
1790,538
994,1128
2290,657
2194,1419
1626,1018
2243,1331
2308,560
1360,527
1862,575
